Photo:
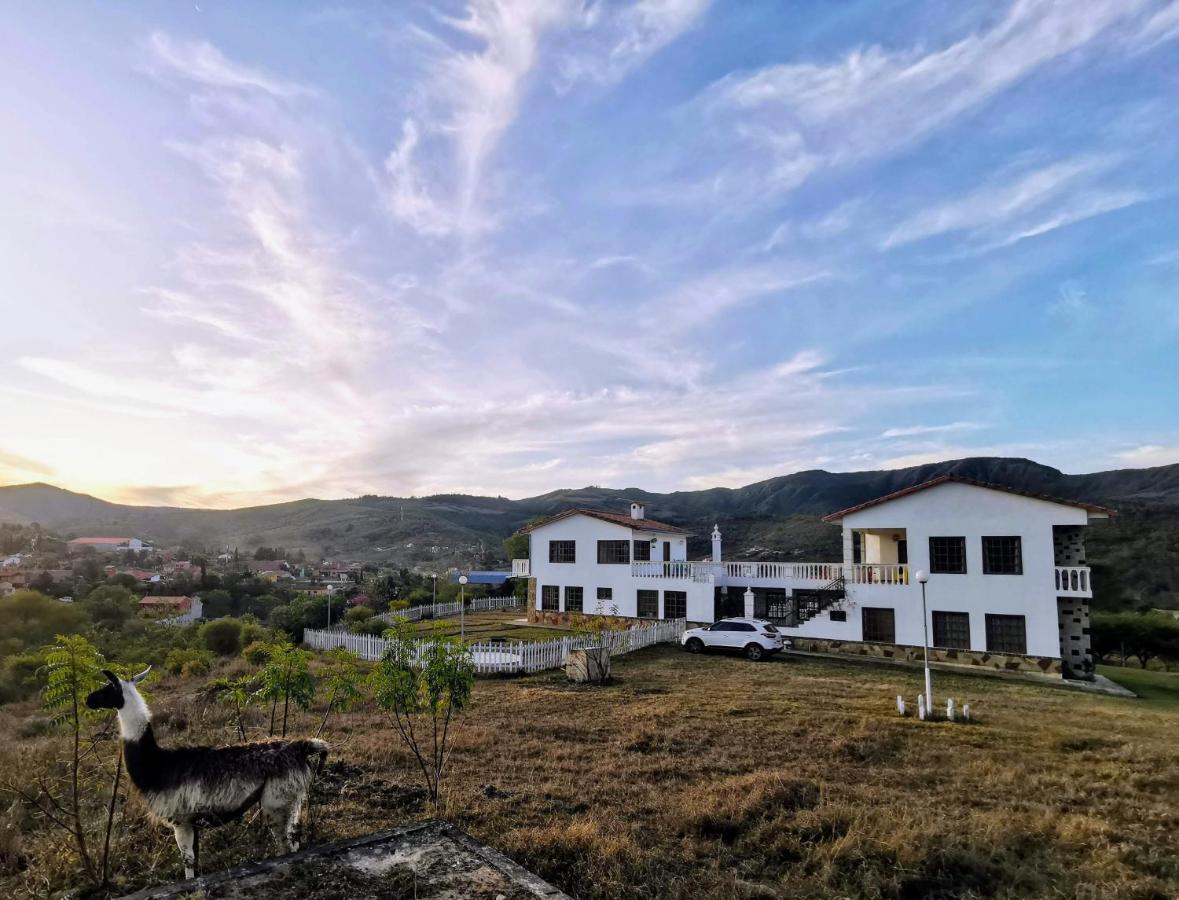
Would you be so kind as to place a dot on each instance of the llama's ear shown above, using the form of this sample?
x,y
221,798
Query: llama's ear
x,y
112,677
142,675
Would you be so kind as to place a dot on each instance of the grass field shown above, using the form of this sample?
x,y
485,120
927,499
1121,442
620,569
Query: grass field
x,y
715,777
508,625
1158,690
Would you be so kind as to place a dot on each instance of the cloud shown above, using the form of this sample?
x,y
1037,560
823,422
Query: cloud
x,y
202,63
873,102
619,39
994,203
915,430
1150,455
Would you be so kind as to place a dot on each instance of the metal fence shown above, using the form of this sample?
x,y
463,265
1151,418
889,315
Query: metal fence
x,y
492,657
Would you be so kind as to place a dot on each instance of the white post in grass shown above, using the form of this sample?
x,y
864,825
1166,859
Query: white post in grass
x,y
921,707
922,578
900,704
462,605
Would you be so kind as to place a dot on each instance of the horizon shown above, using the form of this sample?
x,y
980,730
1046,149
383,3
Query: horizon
x,y
265,254
585,487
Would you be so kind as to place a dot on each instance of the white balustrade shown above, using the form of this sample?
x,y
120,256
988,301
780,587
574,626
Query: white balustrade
x,y
878,573
521,568
1073,581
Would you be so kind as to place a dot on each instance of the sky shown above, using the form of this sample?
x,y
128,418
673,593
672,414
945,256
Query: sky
x,y
252,252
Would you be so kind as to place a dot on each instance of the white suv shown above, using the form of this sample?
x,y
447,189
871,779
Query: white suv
x,y
757,638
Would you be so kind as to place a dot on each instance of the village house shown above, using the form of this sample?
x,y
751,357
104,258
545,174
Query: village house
x,y
106,544
173,610
1008,585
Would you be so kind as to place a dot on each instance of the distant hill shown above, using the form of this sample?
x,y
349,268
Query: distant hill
x,y
776,518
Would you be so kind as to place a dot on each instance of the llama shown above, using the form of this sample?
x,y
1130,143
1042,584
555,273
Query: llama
x,y
189,788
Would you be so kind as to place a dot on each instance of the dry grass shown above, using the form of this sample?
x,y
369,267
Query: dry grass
x,y
715,777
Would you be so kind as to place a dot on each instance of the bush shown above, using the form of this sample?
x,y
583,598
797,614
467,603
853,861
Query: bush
x,y
196,666
222,636
177,660
110,605
257,653
254,631
371,626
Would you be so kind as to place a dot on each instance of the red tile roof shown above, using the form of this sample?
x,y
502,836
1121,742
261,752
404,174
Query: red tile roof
x,y
99,540
959,479
613,518
183,602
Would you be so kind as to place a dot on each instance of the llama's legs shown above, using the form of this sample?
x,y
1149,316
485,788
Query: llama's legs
x,y
292,824
186,841
282,802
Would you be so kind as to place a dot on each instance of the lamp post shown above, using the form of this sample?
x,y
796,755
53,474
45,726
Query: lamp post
x,y
462,606
922,578
434,588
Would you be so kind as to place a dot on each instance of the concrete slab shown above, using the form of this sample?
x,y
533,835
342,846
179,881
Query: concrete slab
x,y
433,859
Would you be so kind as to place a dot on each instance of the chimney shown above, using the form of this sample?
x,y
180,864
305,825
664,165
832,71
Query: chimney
x,y
637,511
716,544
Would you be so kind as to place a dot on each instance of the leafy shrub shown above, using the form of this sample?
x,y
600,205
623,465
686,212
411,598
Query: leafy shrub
x,y
177,659
222,636
257,652
196,666
110,605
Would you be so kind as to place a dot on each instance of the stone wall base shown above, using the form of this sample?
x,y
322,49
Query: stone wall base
x,y
581,620
1042,665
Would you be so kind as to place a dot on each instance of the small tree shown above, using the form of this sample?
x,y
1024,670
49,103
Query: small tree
x,y
286,677
235,692
341,682
421,685
73,668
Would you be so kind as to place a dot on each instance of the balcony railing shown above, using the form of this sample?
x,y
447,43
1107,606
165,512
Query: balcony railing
x,y
774,571
520,568
674,568
1073,581
878,573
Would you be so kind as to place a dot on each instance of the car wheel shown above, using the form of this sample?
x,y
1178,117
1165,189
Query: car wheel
x,y
694,645
755,651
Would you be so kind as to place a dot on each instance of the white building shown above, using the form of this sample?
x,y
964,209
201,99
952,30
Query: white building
x,y
106,544
1008,585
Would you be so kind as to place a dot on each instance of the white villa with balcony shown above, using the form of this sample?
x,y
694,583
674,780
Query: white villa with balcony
x,y
1008,585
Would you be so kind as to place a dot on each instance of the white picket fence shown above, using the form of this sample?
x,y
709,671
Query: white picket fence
x,y
515,656
446,610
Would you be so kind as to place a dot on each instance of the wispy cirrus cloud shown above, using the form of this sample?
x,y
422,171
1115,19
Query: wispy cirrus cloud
x,y
1009,208
915,430
800,117
202,63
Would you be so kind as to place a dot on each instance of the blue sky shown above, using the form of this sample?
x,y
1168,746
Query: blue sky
x,y
255,252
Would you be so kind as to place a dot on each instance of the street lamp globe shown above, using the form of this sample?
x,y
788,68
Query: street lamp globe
x,y
922,576
462,579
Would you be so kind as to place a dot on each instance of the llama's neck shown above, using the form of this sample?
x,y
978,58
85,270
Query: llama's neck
x,y
134,717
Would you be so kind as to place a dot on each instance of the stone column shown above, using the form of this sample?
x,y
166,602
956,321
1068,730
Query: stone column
x,y
749,603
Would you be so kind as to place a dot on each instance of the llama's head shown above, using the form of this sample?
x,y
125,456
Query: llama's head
x,y
114,695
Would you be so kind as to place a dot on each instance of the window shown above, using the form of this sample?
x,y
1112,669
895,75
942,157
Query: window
x,y
562,551
573,599
605,596
642,551
648,605
951,629
947,555
1002,556
675,604
839,615
1006,634
879,625
550,597
614,552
